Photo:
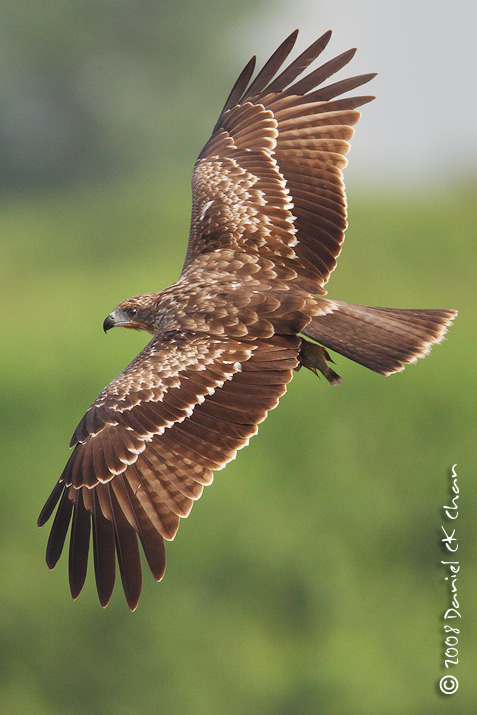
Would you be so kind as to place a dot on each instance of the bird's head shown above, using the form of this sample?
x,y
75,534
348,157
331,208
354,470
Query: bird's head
x,y
138,312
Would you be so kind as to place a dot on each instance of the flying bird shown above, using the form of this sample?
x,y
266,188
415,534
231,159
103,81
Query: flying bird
x,y
268,221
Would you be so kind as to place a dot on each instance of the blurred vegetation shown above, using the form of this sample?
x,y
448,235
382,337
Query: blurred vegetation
x,y
307,579
89,88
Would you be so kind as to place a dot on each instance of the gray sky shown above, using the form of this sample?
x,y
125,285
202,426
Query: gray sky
x,y
423,125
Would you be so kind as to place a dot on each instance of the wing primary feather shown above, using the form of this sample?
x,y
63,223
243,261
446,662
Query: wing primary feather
x,y
128,553
79,546
152,542
271,67
103,553
300,64
347,103
102,493
321,74
50,503
238,89
59,530
117,486
333,90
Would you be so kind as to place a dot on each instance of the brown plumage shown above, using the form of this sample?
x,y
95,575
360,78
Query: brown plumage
x,y
268,221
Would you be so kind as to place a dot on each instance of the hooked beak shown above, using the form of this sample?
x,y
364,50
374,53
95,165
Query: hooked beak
x,y
109,323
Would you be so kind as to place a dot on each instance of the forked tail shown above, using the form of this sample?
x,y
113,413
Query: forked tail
x,y
381,339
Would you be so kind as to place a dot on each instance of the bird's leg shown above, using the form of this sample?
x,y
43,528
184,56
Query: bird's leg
x,y
315,357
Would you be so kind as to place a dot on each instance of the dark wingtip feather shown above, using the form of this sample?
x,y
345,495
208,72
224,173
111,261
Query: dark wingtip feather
x,y
238,89
80,433
337,88
152,542
271,67
365,99
128,553
104,552
59,530
291,38
322,73
50,504
79,547
300,64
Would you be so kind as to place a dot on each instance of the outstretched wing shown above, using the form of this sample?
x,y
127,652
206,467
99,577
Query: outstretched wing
x,y
269,179
146,448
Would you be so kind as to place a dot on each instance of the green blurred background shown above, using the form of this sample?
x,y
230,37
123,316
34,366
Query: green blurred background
x,y
307,580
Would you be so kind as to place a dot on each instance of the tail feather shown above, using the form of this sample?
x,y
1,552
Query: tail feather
x,y
381,339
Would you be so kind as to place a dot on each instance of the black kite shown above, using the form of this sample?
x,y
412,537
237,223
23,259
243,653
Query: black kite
x,y
268,221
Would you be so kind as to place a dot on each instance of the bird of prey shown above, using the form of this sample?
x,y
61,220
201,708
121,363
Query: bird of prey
x,y
268,221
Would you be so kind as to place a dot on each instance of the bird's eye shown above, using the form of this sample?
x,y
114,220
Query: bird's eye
x,y
131,311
